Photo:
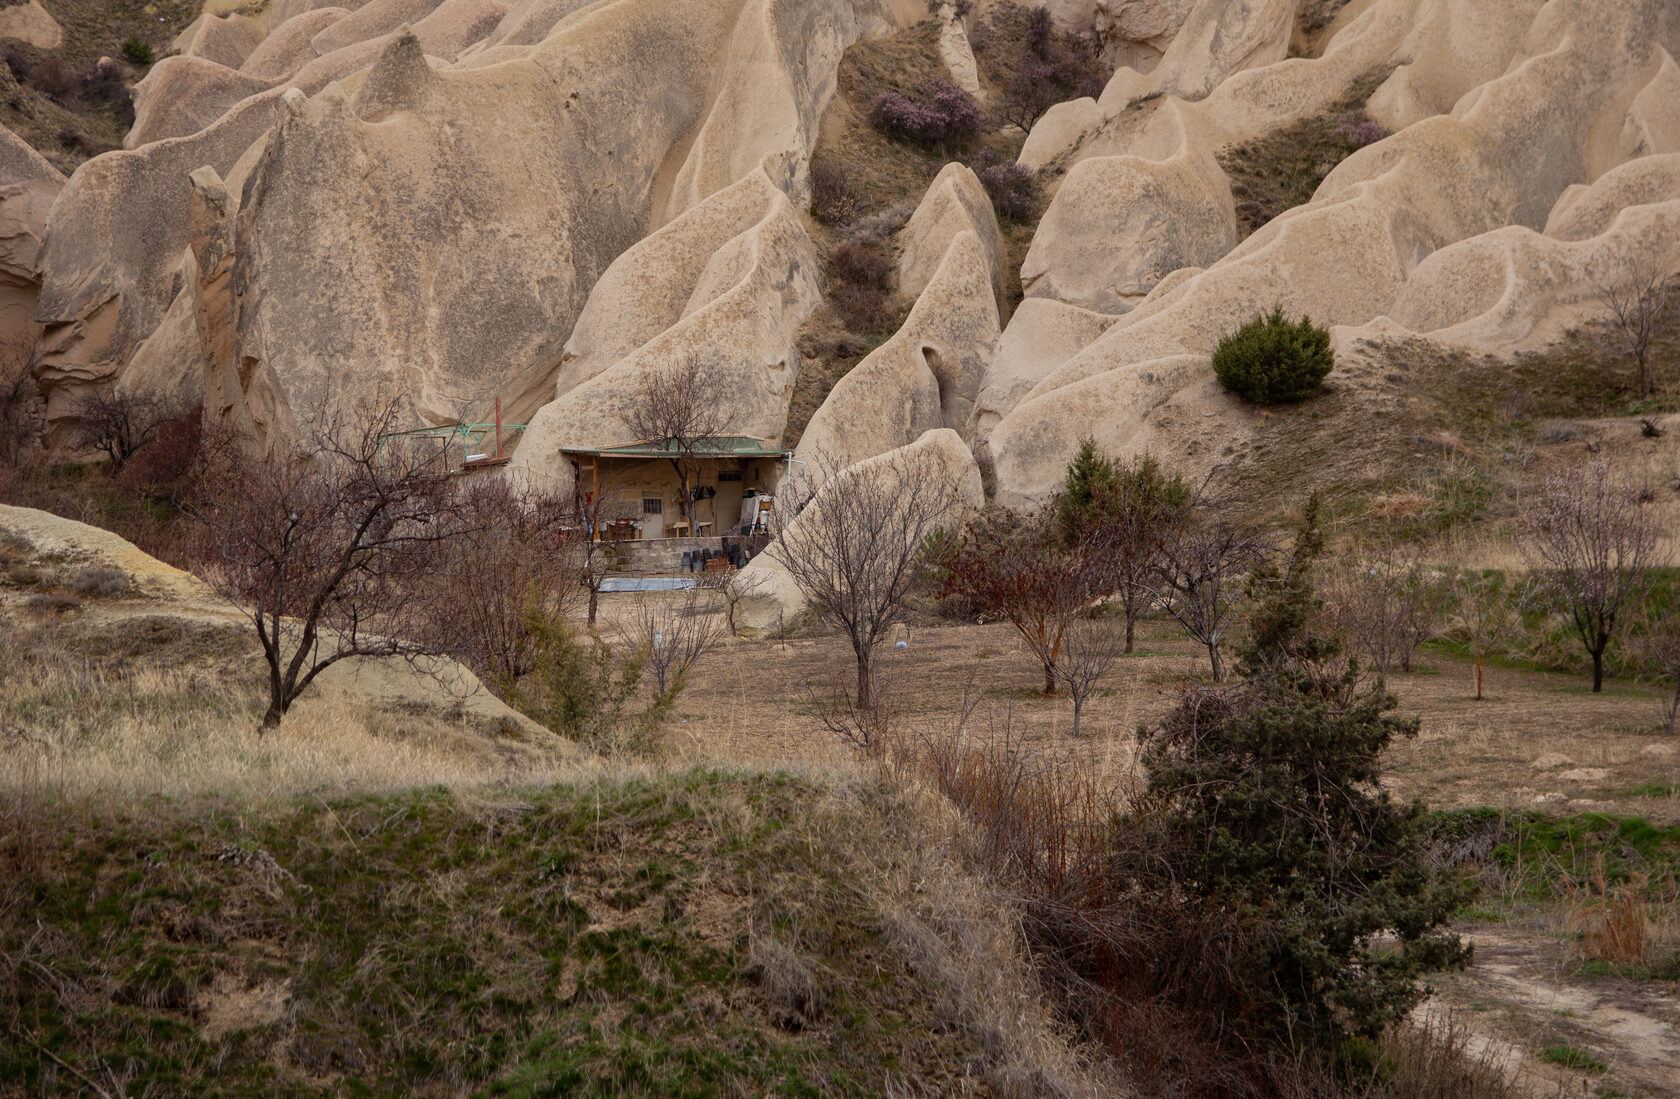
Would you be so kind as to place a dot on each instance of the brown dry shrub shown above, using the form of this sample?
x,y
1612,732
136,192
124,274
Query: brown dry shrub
x,y
860,286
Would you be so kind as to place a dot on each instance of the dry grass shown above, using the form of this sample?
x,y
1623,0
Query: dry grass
x,y
86,729
756,702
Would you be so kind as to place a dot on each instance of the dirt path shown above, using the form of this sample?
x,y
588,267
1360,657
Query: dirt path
x,y
1523,996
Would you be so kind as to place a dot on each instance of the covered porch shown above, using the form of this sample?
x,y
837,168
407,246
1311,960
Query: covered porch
x,y
728,492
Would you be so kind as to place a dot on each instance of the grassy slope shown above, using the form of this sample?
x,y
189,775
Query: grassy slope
x,y
697,934
1281,170
65,130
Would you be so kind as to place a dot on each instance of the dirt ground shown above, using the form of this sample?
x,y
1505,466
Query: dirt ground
x,y
1536,740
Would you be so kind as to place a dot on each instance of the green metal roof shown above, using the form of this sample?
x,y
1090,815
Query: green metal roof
x,y
722,446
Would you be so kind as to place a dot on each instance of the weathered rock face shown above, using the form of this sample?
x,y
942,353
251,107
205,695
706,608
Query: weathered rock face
x,y
290,45
926,376
530,21
28,185
1120,224
225,40
1515,289
373,19
1058,130
1559,116
1042,335
1588,210
955,203
423,228
732,280
1221,37
31,23
1132,32
182,95
771,599
955,51
111,261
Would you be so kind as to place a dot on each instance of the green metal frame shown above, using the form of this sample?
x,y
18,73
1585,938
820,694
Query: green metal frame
x,y
472,437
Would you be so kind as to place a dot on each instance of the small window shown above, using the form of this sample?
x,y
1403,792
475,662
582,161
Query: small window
x,y
653,505
728,475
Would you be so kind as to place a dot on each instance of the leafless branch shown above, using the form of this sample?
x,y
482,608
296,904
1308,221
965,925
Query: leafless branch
x,y
1636,302
1591,544
856,549
325,550
679,406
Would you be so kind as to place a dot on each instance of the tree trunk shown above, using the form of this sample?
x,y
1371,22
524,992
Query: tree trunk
x,y
1131,628
682,490
1217,664
271,719
1598,669
1049,679
594,593
865,699
1078,705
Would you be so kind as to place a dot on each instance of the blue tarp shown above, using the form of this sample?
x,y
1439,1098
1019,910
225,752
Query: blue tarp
x,y
648,583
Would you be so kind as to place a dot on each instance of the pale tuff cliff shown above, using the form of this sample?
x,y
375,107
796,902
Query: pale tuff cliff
x,y
543,200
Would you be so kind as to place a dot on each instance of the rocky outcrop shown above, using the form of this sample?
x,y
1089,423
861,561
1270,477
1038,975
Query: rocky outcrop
x,y
1120,224
439,226
1586,210
374,19
31,23
226,40
733,280
769,598
1042,335
1515,289
1504,157
112,258
1058,130
955,51
1221,37
530,21
28,185
657,283
955,203
290,46
182,95
926,376
1132,32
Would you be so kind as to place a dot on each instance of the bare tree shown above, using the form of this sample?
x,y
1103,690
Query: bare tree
x,y
117,425
591,509
674,634
732,589
855,551
19,397
1637,302
1204,561
1018,567
679,407
1591,544
513,551
1089,647
1658,642
1387,603
324,551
